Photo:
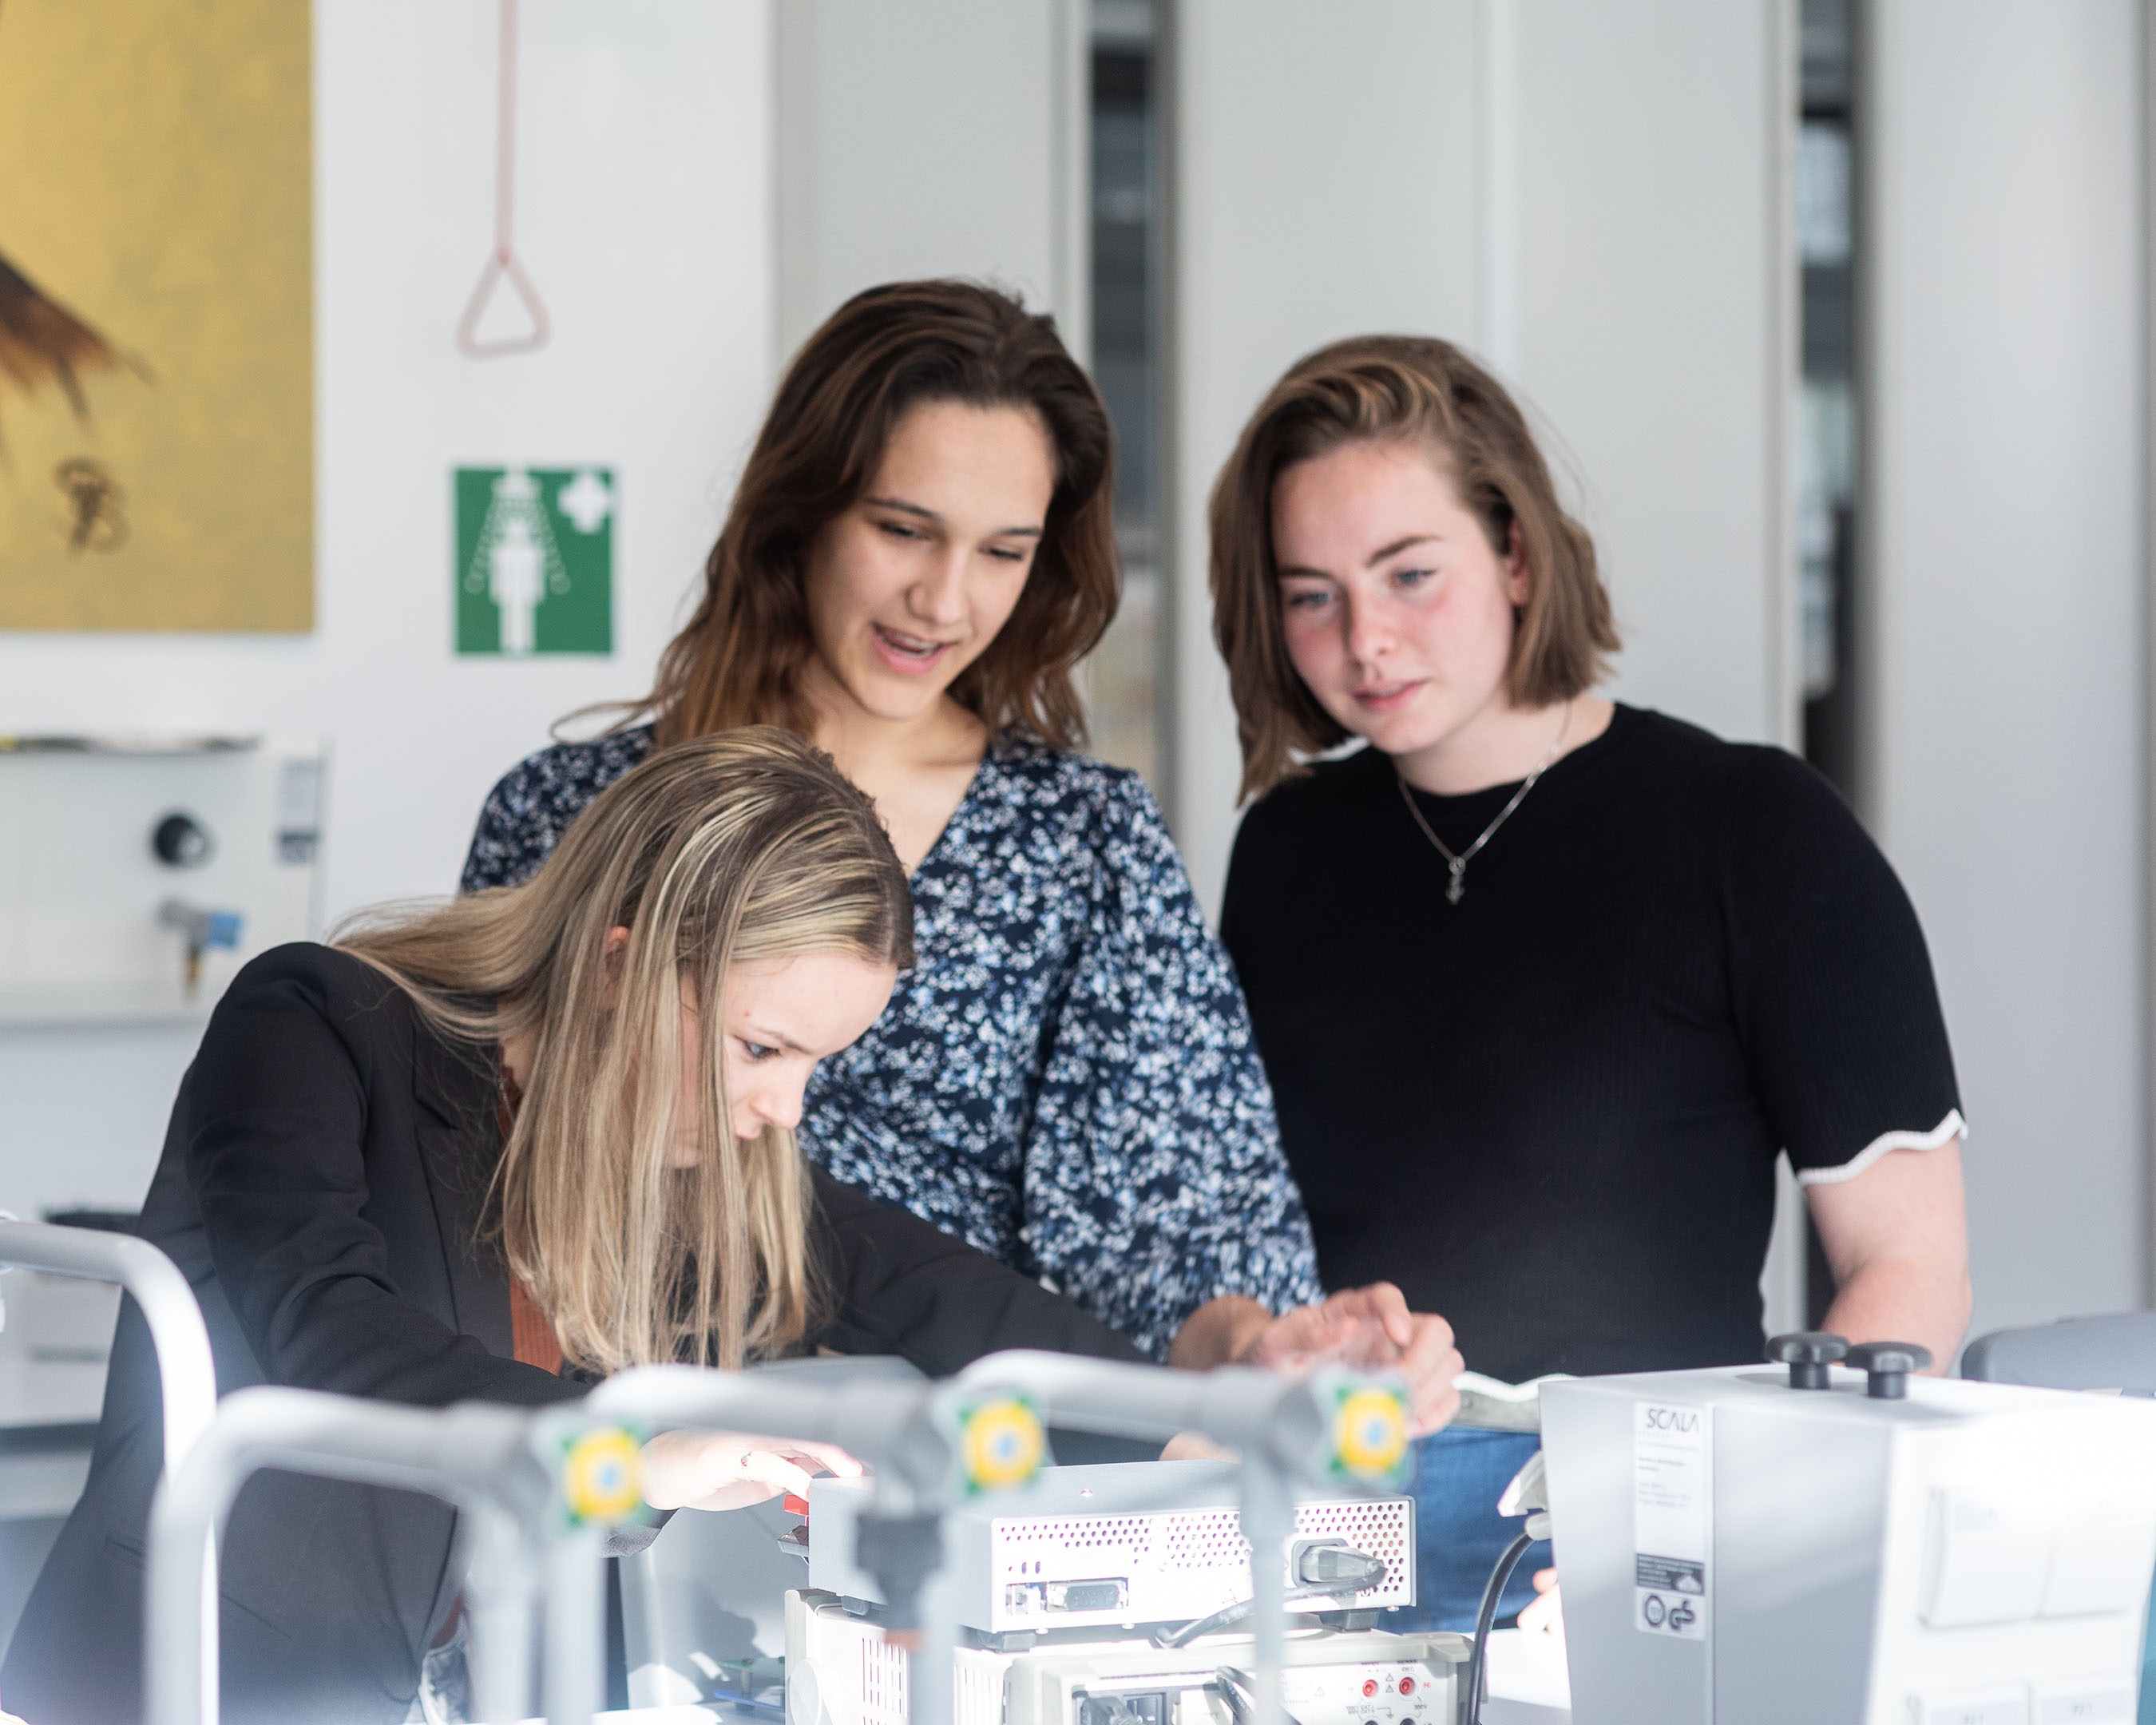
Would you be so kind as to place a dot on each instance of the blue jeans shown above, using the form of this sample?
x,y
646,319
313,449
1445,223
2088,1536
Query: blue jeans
x,y
1459,1535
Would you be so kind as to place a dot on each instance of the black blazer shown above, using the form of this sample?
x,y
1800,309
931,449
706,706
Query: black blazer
x,y
319,1188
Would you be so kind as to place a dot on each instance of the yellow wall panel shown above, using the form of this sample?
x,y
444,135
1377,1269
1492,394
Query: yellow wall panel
x,y
156,191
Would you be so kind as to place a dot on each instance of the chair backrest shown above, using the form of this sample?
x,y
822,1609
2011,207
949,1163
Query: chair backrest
x,y
2075,1353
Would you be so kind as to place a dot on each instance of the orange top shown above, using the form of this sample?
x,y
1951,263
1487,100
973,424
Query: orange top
x,y
536,1344
532,1335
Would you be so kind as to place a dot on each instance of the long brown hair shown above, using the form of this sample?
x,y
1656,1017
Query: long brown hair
x,y
1405,389
723,850
883,352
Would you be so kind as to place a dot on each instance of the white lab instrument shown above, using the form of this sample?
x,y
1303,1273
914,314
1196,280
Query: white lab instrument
x,y
138,873
1756,1546
844,1670
1100,1548
1370,1678
1334,1424
1338,1428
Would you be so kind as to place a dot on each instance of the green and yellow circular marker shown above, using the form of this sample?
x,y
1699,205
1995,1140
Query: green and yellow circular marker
x,y
1370,1432
1002,1444
603,1477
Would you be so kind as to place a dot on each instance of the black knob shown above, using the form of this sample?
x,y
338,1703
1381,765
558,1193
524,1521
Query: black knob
x,y
180,841
1886,1366
1808,1354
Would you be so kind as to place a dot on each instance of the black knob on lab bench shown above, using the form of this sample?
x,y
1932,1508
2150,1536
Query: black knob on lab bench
x,y
1808,1354
180,841
1886,1366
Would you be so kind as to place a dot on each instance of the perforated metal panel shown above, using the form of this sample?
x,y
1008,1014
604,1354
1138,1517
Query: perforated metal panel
x,y
1158,1542
1055,1572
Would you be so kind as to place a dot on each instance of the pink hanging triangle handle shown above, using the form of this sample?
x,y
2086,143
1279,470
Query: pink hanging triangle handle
x,y
501,266
504,265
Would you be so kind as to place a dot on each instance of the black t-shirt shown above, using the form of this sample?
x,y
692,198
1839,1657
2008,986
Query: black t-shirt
x,y
1551,1112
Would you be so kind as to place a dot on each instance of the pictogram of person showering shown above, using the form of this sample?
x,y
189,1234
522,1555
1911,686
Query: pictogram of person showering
x,y
518,564
534,569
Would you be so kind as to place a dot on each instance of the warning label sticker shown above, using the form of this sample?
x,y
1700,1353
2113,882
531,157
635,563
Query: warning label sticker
x,y
1672,1476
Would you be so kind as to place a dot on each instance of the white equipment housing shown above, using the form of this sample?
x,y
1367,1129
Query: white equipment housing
x,y
843,1670
1740,1551
83,886
1107,1547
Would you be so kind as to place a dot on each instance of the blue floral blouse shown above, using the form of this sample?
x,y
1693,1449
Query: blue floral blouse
x,y
1066,1078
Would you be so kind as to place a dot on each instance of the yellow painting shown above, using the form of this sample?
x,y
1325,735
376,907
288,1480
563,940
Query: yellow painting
x,y
156,344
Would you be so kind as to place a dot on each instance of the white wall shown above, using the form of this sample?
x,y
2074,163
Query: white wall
x,y
1323,184
940,137
2005,563
1590,197
643,216
1649,326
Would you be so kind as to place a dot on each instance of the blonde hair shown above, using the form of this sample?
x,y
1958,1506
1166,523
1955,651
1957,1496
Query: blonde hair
x,y
749,844
1412,389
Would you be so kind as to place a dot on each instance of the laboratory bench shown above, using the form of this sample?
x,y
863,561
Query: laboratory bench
x,y
52,1381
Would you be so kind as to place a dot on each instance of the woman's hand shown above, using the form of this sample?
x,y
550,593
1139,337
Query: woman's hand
x,y
1546,1610
729,1469
1371,1329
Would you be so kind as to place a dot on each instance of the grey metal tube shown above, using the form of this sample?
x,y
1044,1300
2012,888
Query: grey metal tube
x,y
499,1598
1268,1519
576,1627
889,1425
1258,1412
471,1454
187,1374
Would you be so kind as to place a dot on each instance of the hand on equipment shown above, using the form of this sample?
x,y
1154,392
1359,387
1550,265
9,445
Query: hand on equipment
x,y
1370,1329
1183,1446
1546,1610
731,1469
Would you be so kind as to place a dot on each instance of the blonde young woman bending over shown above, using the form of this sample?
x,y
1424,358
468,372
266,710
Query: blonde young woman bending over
x,y
495,1149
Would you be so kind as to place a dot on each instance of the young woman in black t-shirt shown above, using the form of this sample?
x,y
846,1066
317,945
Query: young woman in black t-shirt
x,y
1543,983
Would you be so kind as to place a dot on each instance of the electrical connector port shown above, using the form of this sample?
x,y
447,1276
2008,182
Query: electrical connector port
x,y
1104,1593
1146,1707
1334,1565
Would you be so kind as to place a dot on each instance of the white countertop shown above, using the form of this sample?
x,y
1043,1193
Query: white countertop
x,y
1528,1683
53,1347
35,1393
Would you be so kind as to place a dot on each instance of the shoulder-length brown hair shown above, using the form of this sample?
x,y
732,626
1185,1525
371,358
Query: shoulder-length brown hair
x,y
884,351
1394,388
726,850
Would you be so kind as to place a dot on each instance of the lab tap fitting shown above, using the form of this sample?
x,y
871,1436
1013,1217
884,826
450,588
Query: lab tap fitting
x,y
199,930
514,1472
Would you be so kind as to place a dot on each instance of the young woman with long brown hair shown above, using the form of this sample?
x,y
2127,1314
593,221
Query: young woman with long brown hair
x,y
1544,982
495,1149
917,559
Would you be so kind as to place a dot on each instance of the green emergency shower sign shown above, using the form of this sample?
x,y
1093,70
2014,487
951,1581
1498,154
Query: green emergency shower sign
x,y
535,560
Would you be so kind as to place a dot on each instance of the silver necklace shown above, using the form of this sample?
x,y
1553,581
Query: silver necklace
x,y
1456,889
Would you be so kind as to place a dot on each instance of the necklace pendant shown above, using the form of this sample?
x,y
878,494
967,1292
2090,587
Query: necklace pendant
x,y
1457,889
